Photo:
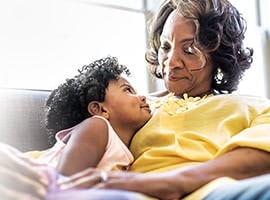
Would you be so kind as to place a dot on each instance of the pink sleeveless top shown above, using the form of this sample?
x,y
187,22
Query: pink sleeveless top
x,y
116,157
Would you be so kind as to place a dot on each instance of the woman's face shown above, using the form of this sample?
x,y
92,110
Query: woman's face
x,y
184,71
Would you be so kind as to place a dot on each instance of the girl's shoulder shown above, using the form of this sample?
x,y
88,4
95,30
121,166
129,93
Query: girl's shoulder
x,y
94,122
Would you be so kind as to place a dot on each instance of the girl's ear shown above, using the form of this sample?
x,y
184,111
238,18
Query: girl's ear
x,y
97,108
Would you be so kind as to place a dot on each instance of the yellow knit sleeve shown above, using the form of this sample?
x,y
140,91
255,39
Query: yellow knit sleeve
x,y
256,135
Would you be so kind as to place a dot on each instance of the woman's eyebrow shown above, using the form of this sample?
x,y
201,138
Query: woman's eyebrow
x,y
185,40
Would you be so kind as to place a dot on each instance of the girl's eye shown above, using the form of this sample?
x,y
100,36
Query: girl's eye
x,y
130,90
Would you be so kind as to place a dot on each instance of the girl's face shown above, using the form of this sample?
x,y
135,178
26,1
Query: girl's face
x,y
125,107
184,71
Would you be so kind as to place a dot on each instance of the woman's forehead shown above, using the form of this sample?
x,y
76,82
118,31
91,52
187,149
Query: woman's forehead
x,y
177,17
177,23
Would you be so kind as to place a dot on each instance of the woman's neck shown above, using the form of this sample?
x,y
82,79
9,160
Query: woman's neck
x,y
202,94
165,92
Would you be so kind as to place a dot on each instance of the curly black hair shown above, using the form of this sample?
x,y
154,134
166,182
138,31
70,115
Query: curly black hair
x,y
67,105
220,30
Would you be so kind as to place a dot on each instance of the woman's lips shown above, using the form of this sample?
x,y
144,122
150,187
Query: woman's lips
x,y
175,78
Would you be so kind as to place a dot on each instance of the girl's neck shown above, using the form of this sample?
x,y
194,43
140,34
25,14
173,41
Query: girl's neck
x,y
125,136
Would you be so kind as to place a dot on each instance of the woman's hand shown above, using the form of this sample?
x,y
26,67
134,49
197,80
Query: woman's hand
x,y
161,186
20,177
85,179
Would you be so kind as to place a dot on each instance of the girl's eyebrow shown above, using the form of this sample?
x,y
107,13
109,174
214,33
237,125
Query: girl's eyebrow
x,y
128,85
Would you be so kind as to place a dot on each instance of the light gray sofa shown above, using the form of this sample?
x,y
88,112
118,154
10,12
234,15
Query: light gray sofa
x,y
22,118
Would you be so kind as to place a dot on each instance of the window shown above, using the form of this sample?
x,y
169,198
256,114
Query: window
x,y
43,42
255,80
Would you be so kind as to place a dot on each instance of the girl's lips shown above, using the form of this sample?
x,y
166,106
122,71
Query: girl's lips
x,y
146,107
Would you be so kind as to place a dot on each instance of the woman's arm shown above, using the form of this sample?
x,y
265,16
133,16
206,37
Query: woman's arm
x,y
239,164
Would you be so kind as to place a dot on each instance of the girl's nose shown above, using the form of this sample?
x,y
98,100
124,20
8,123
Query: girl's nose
x,y
143,98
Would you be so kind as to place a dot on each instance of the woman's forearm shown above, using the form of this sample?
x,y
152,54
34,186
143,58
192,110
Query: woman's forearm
x,y
238,164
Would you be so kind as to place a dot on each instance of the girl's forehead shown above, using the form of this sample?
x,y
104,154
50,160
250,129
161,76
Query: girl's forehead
x,y
120,81
124,78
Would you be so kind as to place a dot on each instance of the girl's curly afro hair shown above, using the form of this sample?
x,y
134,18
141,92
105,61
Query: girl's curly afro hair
x,y
67,105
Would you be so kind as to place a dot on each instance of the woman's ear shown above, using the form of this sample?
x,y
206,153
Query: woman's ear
x,y
97,108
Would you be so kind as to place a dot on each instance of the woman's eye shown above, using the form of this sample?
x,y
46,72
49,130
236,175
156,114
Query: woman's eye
x,y
164,46
189,50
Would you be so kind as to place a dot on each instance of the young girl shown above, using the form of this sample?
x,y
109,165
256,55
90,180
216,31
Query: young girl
x,y
95,115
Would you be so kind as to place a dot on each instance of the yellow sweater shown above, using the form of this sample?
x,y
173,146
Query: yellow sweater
x,y
187,131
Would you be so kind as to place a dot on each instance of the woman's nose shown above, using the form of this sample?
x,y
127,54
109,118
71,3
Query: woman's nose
x,y
174,60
